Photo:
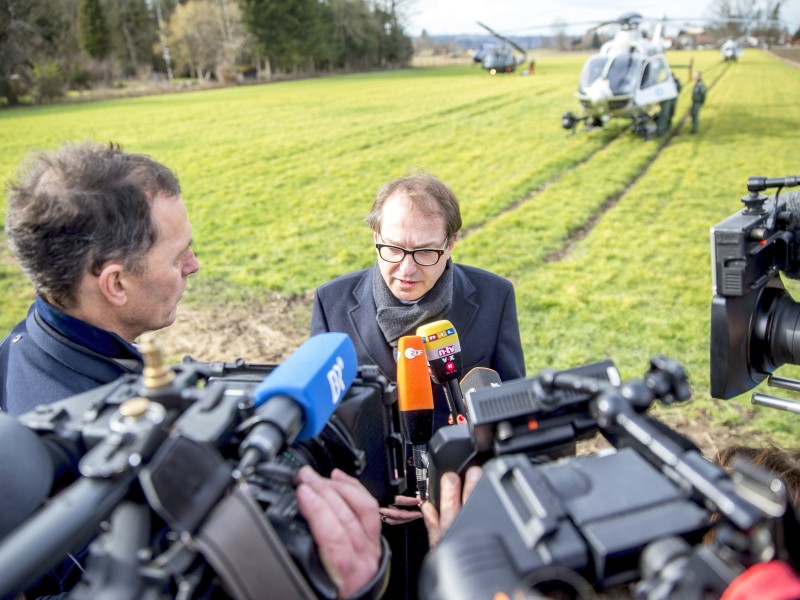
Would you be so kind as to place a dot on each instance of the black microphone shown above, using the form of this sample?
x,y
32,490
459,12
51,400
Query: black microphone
x,y
443,352
26,473
759,183
476,379
65,524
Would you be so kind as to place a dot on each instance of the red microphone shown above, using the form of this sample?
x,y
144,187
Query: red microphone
x,y
415,402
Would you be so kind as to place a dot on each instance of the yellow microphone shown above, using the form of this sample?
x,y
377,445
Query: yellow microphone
x,y
443,351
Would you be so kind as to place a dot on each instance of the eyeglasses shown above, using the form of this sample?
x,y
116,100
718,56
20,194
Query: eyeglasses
x,y
424,257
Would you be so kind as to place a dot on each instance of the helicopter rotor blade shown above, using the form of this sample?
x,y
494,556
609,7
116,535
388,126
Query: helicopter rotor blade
x,y
505,39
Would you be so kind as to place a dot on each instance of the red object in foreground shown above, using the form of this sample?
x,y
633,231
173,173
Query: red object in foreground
x,y
765,581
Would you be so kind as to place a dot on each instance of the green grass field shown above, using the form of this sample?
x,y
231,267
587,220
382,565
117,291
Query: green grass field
x,y
277,179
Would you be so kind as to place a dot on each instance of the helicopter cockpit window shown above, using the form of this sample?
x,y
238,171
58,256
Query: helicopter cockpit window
x,y
623,73
592,70
655,71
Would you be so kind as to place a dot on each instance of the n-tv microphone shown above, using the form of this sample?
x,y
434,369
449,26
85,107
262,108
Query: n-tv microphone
x,y
295,401
443,352
415,402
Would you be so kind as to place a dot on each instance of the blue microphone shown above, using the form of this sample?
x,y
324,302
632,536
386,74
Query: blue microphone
x,y
295,401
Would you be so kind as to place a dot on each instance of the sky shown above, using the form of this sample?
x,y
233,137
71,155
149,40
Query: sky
x,y
518,16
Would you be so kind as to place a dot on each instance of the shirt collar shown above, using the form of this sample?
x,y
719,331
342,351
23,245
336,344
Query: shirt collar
x,y
101,341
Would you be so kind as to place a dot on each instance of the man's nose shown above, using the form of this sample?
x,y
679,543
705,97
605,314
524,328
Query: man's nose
x,y
192,264
407,265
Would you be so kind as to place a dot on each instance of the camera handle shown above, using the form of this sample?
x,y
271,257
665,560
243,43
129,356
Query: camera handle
x,y
784,383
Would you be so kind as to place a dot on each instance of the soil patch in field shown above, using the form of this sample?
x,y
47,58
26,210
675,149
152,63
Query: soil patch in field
x,y
264,332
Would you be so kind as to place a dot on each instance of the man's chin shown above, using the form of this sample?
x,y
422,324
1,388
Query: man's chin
x,y
407,294
167,321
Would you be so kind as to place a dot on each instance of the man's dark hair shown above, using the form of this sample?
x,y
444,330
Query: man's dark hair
x,y
74,209
428,193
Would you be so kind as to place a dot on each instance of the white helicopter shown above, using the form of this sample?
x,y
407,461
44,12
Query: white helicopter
x,y
731,50
627,79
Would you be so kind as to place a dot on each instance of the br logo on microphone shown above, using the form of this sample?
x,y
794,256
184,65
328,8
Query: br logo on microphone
x,y
336,380
410,353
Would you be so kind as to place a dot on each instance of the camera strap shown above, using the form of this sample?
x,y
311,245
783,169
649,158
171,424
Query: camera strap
x,y
245,551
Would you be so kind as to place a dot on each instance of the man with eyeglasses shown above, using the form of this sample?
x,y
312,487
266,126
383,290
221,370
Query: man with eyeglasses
x,y
415,222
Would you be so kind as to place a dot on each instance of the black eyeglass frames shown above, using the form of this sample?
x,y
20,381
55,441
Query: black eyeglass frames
x,y
424,257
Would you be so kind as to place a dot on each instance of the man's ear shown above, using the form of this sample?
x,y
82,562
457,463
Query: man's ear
x,y
112,283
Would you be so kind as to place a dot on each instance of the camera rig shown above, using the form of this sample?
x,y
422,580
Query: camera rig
x,y
542,522
156,476
754,320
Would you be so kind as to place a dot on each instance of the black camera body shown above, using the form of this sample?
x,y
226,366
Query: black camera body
x,y
634,516
502,422
166,462
753,317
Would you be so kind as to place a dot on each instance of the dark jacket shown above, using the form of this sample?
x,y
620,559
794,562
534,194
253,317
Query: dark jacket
x,y
699,92
484,315
40,364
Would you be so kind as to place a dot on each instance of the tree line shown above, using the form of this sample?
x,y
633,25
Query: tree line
x,y
50,46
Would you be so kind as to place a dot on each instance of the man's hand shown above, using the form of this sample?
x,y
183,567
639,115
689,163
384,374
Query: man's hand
x,y
345,524
451,498
394,515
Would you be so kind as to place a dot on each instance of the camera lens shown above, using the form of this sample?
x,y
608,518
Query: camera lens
x,y
780,324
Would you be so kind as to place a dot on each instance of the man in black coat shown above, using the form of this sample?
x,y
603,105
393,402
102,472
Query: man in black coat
x,y
415,222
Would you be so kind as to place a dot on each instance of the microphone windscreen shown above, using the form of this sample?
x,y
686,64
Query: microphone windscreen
x,y
479,377
316,376
26,473
414,390
442,349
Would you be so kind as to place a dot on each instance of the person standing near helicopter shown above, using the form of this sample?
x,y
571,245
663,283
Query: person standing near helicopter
x,y
698,99
664,118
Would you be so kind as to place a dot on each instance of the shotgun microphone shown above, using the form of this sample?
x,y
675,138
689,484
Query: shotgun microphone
x,y
415,402
443,352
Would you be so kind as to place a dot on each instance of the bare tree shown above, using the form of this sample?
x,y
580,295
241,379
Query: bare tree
x,y
208,36
162,35
739,18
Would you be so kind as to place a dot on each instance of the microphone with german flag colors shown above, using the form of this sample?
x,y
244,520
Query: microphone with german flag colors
x,y
443,352
415,403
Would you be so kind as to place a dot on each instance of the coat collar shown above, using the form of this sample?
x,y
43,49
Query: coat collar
x,y
462,314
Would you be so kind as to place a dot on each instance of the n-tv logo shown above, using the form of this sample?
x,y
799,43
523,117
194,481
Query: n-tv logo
x,y
446,351
336,380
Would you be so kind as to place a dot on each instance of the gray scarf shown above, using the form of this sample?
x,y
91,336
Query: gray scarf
x,y
397,319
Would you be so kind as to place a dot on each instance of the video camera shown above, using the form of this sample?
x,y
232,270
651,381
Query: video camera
x,y
185,482
754,320
544,523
